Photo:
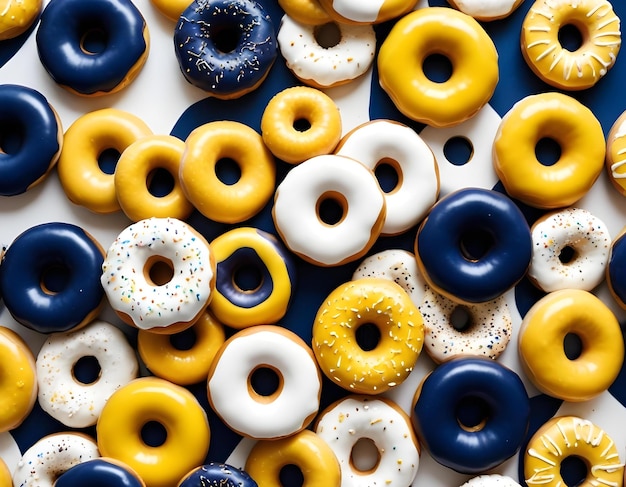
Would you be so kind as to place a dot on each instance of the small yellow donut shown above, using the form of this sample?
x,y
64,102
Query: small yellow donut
x,y
582,68
564,120
299,123
172,9
543,358
305,11
213,142
5,474
571,436
104,131
135,169
616,154
454,35
370,12
368,301
17,16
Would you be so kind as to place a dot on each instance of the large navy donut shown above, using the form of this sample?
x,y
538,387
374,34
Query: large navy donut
x,y
63,26
456,385
99,473
218,474
45,251
26,115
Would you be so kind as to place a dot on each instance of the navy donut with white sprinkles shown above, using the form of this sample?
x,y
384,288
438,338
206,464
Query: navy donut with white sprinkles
x,y
217,475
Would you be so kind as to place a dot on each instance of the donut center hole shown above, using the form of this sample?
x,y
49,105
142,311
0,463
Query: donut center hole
x,y
327,35
247,278
567,255
225,36
461,318
437,68
107,160
227,171
573,470
475,244
11,138
388,175
547,151
472,413
94,41
160,182
301,125
572,346
364,457
158,270
367,336
290,475
86,370
570,37
331,208
265,382
153,434
183,340
54,279
458,150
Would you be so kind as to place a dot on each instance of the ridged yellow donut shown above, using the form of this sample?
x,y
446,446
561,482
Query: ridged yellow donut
x,y
17,16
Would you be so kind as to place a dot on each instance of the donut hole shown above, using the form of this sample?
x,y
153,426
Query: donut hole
x,y
11,138
547,151
572,346
160,182
107,160
472,413
247,279
226,35
570,37
437,68
327,35
367,336
461,318
265,383
86,370
158,270
567,255
331,208
183,340
458,150
54,279
291,475
475,243
388,174
94,40
364,456
153,434
573,470
301,125
227,171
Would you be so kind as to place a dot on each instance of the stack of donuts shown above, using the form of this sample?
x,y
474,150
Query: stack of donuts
x,y
286,296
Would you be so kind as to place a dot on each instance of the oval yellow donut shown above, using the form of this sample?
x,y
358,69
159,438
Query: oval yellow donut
x,y
308,12
454,35
541,349
16,17
582,68
367,301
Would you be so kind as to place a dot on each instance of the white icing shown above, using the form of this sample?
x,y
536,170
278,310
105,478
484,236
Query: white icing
x,y
418,178
149,306
491,480
486,9
347,60
359,10
61,395
296,215
241,408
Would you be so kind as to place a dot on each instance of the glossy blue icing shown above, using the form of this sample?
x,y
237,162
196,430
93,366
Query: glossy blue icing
x,y
617,267
98,473
62,27
217,475
27,114
436,416
45,248
225,46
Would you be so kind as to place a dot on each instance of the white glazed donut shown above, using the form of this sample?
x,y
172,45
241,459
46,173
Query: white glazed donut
x,y
491,480
297,203
356,417
323,67
61,394
486,10
581,233
51,456
159,307
285,411
485,328
399,146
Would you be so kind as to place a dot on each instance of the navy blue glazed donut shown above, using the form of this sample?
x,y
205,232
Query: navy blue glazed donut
x,y
92,48
616,269
100,472
31,139
50,277
474,245
217,475
472,414
225,47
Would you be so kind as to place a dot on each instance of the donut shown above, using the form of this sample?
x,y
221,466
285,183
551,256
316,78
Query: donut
x,y
225,47
616,154
561,119
357,419
451,329
17,17
571,436
257,412
88,142
159,275
100,472
28,118
329,180
615,275
473,246
218,474
457,37
95,48
51,456
5,474
172,9
471,413
544,359
18,387
62,393
305,450
137,167
380,143
299,123
325,56
305,11
205,148
182,365
399,335
354,11
486,10
146,400
563,67
570,250
50,277
491,480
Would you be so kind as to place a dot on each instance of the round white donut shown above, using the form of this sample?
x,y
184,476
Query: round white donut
x,y
388,142
323,67
491,480
581,232
287,410
486,10
296,212
51,456
354,418
61,394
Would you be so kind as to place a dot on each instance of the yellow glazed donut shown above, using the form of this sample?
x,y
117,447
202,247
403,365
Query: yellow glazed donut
x,y
368,301
5,474
454,35
582,68
306,450
172,9
572,126
209,144
543,358
616,154
305,11
105,131
299,123
370,12
571,436
17,16
151,399
136,168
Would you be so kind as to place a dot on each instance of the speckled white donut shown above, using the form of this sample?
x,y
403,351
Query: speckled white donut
x,y
492,480
345,422
578,230
51,456
486,10
61,394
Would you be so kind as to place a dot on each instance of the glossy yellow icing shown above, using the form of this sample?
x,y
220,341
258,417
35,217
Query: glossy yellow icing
x,y
16,16
616,154
5,474
305,11
172,9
